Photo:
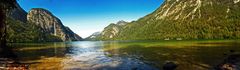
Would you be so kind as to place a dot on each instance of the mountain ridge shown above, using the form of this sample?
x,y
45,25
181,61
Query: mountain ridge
x,y
18,14
38,25
185,19
51,24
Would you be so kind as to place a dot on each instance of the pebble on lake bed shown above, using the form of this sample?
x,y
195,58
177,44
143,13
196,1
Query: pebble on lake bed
x,y
232,62
228,67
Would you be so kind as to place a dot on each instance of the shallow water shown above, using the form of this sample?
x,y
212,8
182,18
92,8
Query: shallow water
x,y
124,55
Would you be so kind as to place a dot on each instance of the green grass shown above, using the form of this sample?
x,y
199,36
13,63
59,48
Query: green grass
x,y
172,43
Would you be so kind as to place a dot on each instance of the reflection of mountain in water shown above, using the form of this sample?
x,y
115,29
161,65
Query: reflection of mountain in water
x,y
89,55
128,55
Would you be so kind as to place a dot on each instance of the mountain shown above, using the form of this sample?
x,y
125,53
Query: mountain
x,y
94,36
51,24
112,30
18,14
183,19
121,23
18,31
70,35
39,25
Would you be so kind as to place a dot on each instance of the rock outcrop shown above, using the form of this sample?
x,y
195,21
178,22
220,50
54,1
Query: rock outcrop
x,y
231,62
50,24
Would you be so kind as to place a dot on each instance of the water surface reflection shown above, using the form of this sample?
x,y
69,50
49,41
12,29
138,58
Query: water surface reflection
x,y
81,55
125,55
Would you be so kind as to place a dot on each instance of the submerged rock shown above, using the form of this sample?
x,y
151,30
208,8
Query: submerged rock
x,y
170,65
231,62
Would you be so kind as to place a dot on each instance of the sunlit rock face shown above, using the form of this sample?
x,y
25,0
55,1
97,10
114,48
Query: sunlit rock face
x,y
51,24
112,30
94,36
109,32
236,1
215,16
195,9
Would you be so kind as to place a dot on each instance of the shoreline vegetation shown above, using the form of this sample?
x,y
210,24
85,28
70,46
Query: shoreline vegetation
x,y
135,41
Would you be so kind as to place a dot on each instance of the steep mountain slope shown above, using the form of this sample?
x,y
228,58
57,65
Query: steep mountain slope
x,y
94,36
187,19
70,35
18,14
18,31
112,30
51,24
39,25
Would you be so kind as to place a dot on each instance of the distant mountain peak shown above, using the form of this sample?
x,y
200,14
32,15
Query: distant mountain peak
x,y
94,36
121,22
41,10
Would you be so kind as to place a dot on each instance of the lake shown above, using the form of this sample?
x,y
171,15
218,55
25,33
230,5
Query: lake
x,y
125,55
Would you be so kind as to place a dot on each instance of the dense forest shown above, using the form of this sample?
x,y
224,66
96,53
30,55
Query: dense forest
x,y
5,6
178,20
18,31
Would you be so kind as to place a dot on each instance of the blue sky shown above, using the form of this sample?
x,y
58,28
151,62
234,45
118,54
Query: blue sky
x,y
85,17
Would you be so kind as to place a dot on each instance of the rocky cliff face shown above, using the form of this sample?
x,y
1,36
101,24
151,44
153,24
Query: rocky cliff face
x,y
51,24
196,9
185,19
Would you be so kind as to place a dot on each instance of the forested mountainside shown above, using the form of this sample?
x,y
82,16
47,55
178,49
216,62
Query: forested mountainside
x,y
183,19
